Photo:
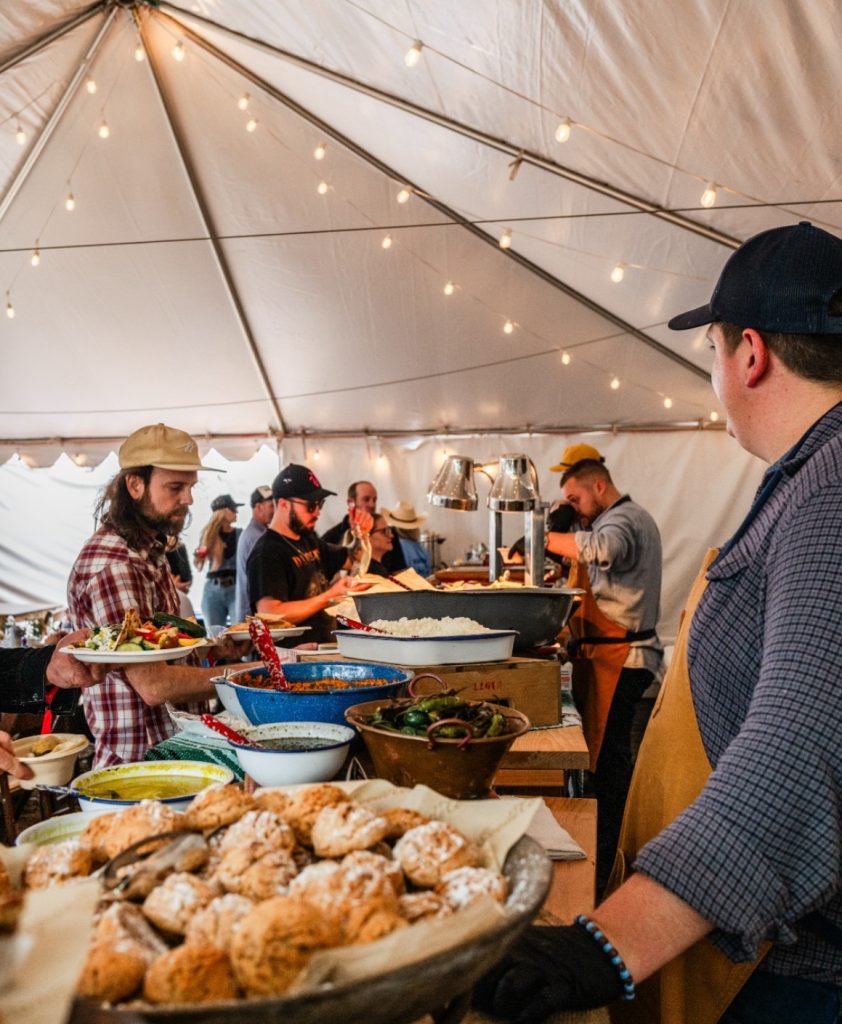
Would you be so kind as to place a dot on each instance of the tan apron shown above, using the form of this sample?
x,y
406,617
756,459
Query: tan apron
x,y
596,667
697,986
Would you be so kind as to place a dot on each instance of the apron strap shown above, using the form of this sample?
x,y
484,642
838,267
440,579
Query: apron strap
x,y
629,638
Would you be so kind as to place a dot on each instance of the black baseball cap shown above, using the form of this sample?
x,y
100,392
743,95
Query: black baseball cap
x,y
260,494
296,481
781,280
225,501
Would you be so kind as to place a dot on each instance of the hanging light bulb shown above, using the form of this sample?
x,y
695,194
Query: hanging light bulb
x,y
243,101
387,242
667,402
35,258
104,130
178,52
714,416
80,458
322,188
618,273
508,327
562,132
139,53
320,151
505,239
70,202
403,195
10,309
90,85
316,455
709,195
413,54
615,383
449,288
565,358
20,135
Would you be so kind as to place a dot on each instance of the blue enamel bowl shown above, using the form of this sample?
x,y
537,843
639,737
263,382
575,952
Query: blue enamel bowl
x,y
262,707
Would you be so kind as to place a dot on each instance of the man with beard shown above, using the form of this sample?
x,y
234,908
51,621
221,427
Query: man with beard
x,y
362,496
290,567
124,565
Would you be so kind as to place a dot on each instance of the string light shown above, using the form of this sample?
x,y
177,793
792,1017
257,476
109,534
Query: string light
x,y
387,242
243,101
413,54
505,239
10,309
714,416
178,52
320,151
709,195
35,258
403,195
322,188
449,288
565,358
90,85
615,383
27,460
562,133
139,53
70,202
667,402
316,455
251,124
20,136
618,273
104,130
508,327
80,458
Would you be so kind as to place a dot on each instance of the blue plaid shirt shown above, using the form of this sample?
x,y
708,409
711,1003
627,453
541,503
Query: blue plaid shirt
x,y
761,846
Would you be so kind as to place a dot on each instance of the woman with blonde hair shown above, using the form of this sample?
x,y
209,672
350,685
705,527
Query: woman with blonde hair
x,y
218,551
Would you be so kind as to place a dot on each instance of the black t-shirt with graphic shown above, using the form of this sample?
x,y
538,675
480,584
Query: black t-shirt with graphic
x,y
293,570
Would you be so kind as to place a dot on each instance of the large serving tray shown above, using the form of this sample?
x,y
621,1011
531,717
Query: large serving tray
x,y
397,997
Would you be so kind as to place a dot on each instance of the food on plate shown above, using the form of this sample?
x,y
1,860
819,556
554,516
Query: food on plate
x,y
162,632
111,973
415,906
148,818
264,682
402,819
448,625
307,803
459,718
44,745
271,620
429,852
256,873
369,921
191,974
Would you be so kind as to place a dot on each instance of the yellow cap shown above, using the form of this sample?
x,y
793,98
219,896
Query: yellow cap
x,y
161,446
574,453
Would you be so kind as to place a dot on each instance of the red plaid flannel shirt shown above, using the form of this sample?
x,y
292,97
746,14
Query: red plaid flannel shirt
x,y
107,579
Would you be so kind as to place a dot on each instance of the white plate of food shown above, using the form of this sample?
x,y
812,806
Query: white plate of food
x,y
136,641
276,632
139,657
426,650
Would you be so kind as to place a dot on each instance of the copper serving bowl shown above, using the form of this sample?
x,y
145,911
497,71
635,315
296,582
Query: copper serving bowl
x,y
458,769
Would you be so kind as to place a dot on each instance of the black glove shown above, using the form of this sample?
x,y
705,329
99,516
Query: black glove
x,y
549,969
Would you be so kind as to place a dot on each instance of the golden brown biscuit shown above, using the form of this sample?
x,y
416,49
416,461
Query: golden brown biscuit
x,y
464,886
56,863
272,800
122,926
402,819
335,891
274,942
172,904
217,922
426,853
95,835
346,827
360,864
260,878
148,818
218,805
307,803
261,829
415,906
191,974
369,921
110,975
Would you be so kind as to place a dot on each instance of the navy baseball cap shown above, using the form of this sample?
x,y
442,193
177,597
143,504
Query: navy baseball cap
x,y
296,481
225,501
781,280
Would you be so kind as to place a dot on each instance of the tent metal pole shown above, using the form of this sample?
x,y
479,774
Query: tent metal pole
x,y
210,228
451,214
53,121
53,33
501,145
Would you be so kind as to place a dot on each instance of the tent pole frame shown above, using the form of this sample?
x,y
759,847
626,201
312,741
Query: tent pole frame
x,y
210,227
55,117
501,145
451,214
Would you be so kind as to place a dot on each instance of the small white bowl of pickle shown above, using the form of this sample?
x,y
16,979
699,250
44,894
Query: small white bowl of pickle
x,y
52,758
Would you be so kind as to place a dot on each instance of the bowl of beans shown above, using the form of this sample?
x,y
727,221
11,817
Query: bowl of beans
x,y
320,691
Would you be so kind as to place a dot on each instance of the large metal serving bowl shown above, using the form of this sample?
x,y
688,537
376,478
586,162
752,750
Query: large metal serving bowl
x,y
396,997
537,613
263,707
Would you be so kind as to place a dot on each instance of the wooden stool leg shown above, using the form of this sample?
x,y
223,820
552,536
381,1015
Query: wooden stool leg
x,y
9,826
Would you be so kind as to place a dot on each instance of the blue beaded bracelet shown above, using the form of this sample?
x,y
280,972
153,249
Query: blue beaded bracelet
x,y
596,933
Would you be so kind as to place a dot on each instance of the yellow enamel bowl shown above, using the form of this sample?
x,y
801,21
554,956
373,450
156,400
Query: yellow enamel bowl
x,y
173,783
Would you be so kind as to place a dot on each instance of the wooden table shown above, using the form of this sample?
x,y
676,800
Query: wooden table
x,y
542,757
573,889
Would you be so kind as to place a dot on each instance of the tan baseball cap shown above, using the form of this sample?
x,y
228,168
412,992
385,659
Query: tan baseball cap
x,y
574,453
163,447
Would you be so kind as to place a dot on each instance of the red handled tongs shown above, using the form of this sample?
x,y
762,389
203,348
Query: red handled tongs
x,y
259,633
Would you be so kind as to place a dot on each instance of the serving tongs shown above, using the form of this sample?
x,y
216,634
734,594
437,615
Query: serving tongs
x,y
343,620
138,869
262,640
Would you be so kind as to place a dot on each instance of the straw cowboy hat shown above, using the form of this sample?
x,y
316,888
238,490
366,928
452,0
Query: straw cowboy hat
x,y
404,516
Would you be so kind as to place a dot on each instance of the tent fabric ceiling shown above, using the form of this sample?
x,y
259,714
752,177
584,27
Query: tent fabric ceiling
x,y
299,319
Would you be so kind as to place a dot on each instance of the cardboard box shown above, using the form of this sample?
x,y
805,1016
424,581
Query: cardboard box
x,y
532,685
